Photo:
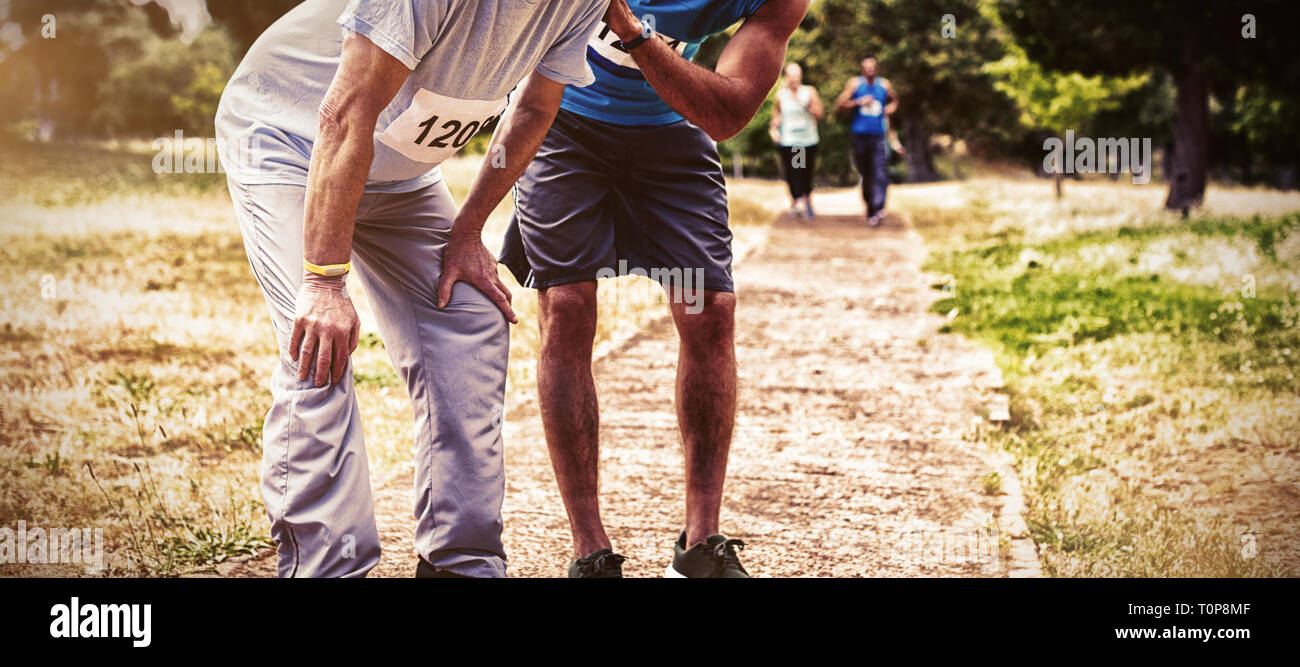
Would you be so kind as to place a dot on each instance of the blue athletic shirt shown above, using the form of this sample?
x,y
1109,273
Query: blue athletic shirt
x,y
870,118
621,95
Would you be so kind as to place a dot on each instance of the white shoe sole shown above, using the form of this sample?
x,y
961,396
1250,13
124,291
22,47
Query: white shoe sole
x,y
672,573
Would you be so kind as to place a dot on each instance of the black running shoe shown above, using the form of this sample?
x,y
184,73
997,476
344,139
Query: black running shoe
x,y
714,558
599,564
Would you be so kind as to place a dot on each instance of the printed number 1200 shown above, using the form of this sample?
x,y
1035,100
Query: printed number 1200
x,y
461,133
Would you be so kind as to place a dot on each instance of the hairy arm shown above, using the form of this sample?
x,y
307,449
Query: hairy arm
x,y
724,101
511,150
364,85
325,326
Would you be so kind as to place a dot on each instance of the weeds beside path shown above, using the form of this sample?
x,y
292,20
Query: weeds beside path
x,y
1151,362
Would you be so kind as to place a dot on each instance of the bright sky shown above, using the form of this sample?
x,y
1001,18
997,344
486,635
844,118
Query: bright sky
x,y
190,15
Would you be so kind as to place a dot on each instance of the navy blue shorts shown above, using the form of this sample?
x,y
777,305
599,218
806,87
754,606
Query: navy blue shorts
x,y
603,200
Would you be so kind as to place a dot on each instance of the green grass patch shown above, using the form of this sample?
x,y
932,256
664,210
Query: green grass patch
x,y
1024,300
1100,362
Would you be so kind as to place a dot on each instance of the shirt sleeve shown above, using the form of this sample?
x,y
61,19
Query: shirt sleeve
x,y
753,7
404,29
566,61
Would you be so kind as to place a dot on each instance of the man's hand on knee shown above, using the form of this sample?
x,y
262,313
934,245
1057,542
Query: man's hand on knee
x,y
325,329
467,260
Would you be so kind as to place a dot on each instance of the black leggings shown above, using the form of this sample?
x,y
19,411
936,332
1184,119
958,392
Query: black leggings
x,y
800,177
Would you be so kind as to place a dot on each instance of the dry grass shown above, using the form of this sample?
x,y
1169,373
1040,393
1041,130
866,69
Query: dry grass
x,y
137,349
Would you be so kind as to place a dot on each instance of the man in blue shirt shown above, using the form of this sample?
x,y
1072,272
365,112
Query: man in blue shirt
x,y
628,180
872,100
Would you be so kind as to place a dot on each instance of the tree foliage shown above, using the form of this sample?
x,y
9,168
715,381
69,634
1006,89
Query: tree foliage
x,y
985,71
1201,44
247,19
170,85
1057,101
116,68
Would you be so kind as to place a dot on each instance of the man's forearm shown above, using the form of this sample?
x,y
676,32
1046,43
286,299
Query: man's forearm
x,y
723,102
336,179
717,104
511,151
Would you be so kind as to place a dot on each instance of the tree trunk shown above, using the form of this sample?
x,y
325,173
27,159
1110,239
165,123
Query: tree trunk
x,y
1247,157
1286,176
1059,178
1192,129
920,163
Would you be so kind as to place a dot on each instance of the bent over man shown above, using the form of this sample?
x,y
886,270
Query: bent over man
x,y
344,131
629,179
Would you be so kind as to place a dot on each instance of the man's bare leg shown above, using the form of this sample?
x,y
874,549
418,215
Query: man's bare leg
x,y
570,414
706,405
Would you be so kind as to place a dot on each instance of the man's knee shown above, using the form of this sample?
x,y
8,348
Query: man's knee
x,y
469,307
713,325
568,313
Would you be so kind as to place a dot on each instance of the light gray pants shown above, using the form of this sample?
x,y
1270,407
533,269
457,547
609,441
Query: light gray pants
x,y
315,480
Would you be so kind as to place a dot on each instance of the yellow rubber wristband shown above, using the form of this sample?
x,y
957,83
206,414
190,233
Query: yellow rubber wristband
x,y
330,270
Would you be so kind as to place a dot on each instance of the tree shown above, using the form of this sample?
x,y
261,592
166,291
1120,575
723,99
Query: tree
x,y
1197,42
109,67
51,75
1268,122
1056,101
168,85
247,19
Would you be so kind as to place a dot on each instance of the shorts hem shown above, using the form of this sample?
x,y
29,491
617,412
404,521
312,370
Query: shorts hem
x,y
534,282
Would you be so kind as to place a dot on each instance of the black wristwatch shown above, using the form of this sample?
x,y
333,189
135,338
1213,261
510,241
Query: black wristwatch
x,y
646,34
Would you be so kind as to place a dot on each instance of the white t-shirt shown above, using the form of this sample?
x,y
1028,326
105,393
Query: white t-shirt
x,y
465,56
798,125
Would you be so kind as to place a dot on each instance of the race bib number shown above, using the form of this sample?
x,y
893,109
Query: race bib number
x,y
870,107
606,44
435,127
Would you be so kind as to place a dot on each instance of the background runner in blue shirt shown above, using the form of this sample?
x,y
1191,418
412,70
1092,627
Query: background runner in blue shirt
x,y
872,100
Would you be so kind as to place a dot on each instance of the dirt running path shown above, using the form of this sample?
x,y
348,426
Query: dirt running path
x,y
849,457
